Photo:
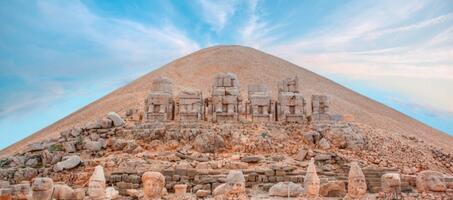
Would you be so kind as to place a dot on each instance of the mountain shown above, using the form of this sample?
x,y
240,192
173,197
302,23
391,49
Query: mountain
x,y
252,66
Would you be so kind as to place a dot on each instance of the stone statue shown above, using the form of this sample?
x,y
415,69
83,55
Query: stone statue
x,y
311,183
357,188
430,181
181,193
153,185
42,188
96,184
233,189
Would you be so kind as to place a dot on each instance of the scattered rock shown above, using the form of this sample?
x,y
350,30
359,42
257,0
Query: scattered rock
x,y
251,159
333,189
284,189
117,120
68,162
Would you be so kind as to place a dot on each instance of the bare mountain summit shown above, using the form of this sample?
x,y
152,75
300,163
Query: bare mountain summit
x,y
231,122
197,70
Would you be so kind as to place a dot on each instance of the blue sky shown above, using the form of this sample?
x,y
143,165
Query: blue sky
x,y
57,56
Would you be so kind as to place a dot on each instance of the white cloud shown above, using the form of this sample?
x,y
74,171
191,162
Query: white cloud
x,y
217,13
364,43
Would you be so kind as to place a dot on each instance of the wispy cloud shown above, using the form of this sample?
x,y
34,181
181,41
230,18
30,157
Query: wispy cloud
x,y
217,13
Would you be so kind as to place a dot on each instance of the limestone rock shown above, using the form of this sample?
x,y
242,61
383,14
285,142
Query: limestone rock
x,y
111,193
333,189
301,154
117,120
208,142
251,159
64,192
68,162
284,189
430,181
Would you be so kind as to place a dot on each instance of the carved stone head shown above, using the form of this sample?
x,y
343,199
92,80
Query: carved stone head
x,y
356,184
42,188
236,182
311,181
153,184
96,184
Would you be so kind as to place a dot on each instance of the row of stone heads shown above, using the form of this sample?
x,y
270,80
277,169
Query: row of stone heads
x,y
225,102
154,187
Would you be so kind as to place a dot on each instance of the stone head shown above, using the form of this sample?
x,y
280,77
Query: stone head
x,y
42,188
96,184
42,184
153,184
356,184
311,180
236,182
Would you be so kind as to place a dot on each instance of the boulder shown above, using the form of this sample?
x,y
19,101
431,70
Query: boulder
x,y
333,189
284,189
429,180
117,120
208,142
343,136
93,146
251,159
301,154
68,162
311,137
105,122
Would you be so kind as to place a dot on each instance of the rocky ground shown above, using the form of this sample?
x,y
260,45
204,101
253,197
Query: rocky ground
x,y
200,154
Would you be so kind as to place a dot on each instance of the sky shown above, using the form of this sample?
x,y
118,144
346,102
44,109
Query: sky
x,y
58,56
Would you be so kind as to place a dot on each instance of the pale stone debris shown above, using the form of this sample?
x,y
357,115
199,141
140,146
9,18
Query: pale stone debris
x,y
291,102
159,105
189,105
259,106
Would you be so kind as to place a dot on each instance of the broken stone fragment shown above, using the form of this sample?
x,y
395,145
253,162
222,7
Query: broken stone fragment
x,y
429,180
283,189
333,189
68,162
251,159
117,120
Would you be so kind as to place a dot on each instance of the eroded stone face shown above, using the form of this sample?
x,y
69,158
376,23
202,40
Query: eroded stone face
x,y
430,181
311,181
42,188
234,188
96,184
153,184
357,187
